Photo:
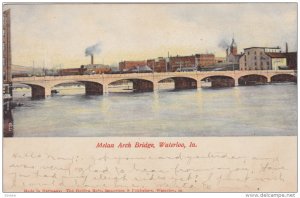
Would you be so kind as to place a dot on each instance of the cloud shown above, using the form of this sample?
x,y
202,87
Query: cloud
x,y
141,31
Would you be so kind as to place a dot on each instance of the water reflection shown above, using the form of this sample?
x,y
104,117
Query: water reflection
x,y
240,111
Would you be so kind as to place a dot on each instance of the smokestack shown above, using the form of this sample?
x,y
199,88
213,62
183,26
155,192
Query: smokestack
x,y
286,47
92,59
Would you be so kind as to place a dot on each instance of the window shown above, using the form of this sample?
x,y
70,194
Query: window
x,y
261,53
268,63
245,57
255,64
254,57
248,53
254,52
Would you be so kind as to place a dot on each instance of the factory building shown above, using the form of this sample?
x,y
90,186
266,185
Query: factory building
x,y
267,58
196,61
95,69
127,65
206,59
179,62
158,65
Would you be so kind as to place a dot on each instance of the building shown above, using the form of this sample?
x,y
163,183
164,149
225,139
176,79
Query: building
x,y
206,59
71,71
197,60
178,62
140,69
291,58
127,65
267,58
95,69
220,59
158,65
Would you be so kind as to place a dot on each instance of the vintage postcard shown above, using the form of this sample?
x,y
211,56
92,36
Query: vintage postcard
x,y
140,97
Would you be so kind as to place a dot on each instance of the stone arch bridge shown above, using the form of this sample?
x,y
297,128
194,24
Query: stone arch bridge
x,y
142,82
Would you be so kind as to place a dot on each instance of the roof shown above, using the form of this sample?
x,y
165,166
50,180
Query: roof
x,y
237,55
276,55
141,68
263,47
94,66
291,53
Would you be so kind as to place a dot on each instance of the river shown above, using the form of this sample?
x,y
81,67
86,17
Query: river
x,y
268,110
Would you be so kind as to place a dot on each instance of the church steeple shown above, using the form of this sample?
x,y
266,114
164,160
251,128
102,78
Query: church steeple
x,y
233,47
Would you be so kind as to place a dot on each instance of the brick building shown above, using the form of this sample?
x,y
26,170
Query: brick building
x,y
198,60
171,64
71,71
220,59
206,59
182,62
127,65
158,65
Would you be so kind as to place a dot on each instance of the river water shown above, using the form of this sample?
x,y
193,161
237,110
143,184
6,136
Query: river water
x,y
268,110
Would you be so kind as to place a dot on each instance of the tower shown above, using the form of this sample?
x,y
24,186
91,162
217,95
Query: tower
x,y
233,47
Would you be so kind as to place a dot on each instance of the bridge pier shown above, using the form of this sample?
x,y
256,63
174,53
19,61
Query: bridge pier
x,y
199,84
47,91
105,88
236,82
155,86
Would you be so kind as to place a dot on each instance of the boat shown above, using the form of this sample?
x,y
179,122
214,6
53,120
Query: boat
x,y
54,91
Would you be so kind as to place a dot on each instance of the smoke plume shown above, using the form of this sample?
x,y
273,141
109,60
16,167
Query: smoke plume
x,y
94,49
224,44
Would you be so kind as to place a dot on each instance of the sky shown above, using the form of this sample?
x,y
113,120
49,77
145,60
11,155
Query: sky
x,y
51,35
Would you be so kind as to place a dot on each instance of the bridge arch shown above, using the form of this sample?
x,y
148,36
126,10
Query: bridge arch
x,y
37,91
283,78
217,81
180,82
91,87
252,79
136,85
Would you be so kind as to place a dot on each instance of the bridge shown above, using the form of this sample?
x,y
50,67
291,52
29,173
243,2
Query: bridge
x,y
144,82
